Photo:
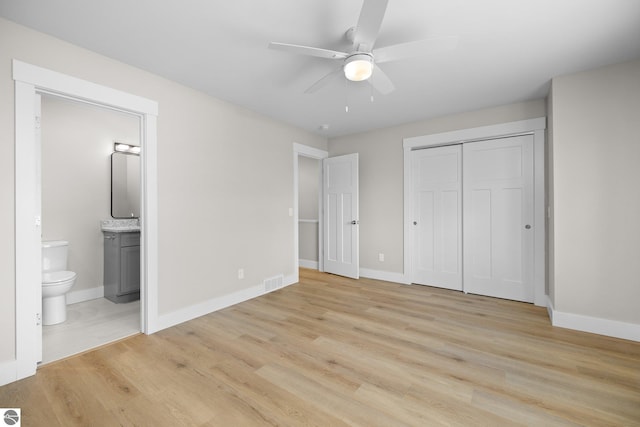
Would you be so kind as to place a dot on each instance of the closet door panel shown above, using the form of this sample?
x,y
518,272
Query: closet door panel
x,y
498,218
437,223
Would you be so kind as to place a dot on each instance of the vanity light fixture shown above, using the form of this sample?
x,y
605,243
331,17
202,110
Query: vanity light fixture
x,y
126,148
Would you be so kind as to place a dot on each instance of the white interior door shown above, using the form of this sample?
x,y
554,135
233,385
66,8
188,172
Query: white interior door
x,y
340,199
498,218
437,216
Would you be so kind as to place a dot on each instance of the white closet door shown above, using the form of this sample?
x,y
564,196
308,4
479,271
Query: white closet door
x,y
437,217
340,194
498,218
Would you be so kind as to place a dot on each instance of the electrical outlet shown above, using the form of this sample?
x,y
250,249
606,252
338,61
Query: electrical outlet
x,y
241,273
381,257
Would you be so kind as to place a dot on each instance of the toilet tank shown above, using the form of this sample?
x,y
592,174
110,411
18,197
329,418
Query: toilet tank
x,y
54,255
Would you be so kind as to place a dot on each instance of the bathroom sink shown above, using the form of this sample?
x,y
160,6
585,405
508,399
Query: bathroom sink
x,y
120,225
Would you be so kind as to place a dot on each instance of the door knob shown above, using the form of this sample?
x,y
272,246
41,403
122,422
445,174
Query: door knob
x,y
527,226
354,222
415,222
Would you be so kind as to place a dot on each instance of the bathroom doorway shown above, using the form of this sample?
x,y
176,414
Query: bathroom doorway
x,y
29,81
77,141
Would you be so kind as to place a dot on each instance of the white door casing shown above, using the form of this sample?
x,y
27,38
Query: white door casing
x,y
437,216
498,218
340,202
30,80
38,203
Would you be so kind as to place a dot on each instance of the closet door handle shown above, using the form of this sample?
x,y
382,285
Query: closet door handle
x,y
527,226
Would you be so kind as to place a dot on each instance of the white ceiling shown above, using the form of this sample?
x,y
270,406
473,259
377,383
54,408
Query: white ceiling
x,y
508,50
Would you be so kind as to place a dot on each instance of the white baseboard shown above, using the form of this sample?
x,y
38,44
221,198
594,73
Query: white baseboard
x,y
387,276
82,295
307,263
595,325
215,304
8,372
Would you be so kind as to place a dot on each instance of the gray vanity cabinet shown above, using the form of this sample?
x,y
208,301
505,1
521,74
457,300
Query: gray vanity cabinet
x,y
122,266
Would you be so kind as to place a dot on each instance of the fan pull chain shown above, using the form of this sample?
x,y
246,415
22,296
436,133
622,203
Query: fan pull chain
x,y
346,96
371,87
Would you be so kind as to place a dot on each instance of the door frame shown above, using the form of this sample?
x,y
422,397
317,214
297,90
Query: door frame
x,y
30,80
535,127
300,150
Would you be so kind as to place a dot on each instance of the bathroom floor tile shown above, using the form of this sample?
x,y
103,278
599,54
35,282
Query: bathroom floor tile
x,y
89,324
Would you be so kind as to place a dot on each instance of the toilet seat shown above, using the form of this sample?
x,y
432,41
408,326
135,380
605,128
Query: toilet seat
x,y
57,277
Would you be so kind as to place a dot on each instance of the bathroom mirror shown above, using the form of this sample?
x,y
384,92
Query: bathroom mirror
x,y
125,185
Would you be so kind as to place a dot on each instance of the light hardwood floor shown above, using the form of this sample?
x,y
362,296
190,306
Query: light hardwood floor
x,y
331,351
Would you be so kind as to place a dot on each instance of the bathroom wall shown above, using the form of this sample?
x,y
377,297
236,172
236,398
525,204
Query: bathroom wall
x,y
308,191
225,180
77,142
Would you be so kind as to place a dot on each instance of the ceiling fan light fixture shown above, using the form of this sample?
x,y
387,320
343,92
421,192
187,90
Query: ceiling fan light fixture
x,y
358,67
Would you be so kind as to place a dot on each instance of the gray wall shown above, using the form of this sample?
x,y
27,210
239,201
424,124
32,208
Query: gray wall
x,y
549,195
381,175
308,191
225,180
77,141
595,202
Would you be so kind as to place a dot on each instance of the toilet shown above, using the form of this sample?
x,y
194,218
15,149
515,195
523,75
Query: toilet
x,y
56,281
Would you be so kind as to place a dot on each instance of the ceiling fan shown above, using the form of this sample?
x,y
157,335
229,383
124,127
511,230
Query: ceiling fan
x,y
361,62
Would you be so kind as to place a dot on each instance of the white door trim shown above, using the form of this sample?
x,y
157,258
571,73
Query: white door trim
x,y
314,153
535,127
475,134
29,80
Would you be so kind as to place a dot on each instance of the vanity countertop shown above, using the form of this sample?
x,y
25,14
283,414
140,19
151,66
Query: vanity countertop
x,y
120,225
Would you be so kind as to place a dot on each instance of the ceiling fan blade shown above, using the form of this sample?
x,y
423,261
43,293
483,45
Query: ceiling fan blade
x,y
324,81
366,32
415,48
381,82
308,50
